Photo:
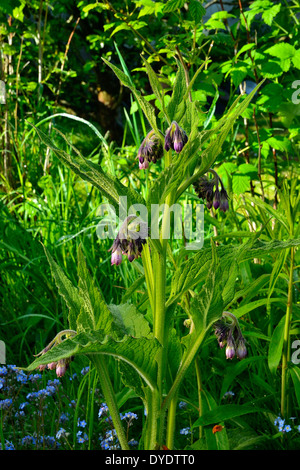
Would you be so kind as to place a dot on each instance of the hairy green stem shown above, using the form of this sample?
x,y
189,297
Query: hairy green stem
x,y
171,422
150,440
110,399
160,329
199,386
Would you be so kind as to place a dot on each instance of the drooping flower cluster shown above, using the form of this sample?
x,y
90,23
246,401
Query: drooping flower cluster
x,y
175,138
229,334
128,242
151,149
61,365
208,189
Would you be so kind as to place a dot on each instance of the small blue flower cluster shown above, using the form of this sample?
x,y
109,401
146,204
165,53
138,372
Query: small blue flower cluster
x,y
42,441
110,439
49,391
15,383
29,404
283,427
7,446
185,431
5,404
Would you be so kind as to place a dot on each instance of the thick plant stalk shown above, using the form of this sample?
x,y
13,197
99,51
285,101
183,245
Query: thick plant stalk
x,y
199,386
153,400
110,398
286,341
171,423
160,327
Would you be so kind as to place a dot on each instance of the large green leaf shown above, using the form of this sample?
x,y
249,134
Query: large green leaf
x,y
173,5
109,186
67,290
194,270
86,304
224,412
177,104
155,85
94,312
129,320
140,353
207,306
144,104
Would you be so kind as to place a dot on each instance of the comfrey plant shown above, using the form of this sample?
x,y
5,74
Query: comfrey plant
x,y
151,353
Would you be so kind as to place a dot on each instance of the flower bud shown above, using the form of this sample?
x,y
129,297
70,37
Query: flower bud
x,y
241,350
62,364
224,206
116,256
217,199
143,165
61,368
230,351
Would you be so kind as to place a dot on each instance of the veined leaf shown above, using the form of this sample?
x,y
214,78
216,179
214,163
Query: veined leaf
x,y
173,5
197,11
146,107
129,320
208,305
155,85
176,107
282,50
194,270
262,249
67,290
140,353
94,311
89,171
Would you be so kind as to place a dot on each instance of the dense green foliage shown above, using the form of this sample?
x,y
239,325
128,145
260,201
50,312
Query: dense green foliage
x,y
87,80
